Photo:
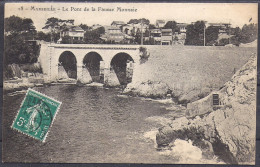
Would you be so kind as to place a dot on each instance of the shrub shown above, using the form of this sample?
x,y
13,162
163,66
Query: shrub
x,y
143,55
33,68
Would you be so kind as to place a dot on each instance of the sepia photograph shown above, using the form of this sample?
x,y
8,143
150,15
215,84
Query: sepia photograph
x,y
142,83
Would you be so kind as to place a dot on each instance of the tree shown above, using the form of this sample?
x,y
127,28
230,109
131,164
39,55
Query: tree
x,y
249,33
55,25
146,33
172,25
16,48
223,42
19,51
42,36
152,26
195,33
27,25
17,25
136,21
84,27
138,36
13,24
126,31
93,36
211,35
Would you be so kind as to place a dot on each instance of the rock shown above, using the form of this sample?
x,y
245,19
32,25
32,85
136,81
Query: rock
x,y
168,134
151,89
229,129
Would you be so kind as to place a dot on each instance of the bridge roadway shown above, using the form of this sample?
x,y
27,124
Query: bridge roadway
x,y
50,59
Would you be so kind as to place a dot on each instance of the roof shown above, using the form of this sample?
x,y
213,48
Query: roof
x,y
73,28
77,28
155,31
166,30
219,24
118,22
111,28
182,24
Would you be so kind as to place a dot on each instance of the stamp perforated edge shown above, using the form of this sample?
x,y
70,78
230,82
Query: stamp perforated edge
x,y
42,94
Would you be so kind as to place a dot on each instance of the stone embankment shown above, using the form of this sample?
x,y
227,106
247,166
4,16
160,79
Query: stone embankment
x,y
226,130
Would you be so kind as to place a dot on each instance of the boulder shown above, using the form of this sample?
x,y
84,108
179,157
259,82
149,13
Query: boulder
x,y
152,89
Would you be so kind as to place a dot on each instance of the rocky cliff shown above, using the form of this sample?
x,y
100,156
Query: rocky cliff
x,y
226,130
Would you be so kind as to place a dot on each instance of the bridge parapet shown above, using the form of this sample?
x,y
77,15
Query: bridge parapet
x,y
96,46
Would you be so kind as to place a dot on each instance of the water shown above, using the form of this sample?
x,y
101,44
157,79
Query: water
x,y
93,125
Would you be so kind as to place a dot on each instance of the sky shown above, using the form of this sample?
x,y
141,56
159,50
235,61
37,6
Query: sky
x,y
237,14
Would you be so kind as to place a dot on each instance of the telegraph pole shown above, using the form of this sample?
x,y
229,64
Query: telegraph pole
x,y
142,32
229,26
204,35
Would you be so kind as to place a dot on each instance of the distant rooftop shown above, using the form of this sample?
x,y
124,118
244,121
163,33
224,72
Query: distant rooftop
x,y
166,30
112,28
118,22
77,28
73,28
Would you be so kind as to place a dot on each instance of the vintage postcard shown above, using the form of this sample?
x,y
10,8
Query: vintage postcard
x,y
155,83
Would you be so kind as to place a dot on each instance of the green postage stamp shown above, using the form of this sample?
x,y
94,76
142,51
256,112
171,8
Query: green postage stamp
x,y
36,115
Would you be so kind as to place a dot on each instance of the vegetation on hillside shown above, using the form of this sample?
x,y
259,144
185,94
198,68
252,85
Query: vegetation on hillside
x,y
236,36
17,46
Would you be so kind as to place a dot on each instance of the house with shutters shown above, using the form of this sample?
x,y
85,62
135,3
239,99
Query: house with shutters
x,y
75,32
166,37
113,34
160,23
156,34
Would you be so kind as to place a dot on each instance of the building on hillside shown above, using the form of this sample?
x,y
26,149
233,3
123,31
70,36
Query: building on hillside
x,y
182,27
156,34
75,32
132,29
180,37
95,26
166,37
113,34
117,23
160,23
127,29
224,28
141,27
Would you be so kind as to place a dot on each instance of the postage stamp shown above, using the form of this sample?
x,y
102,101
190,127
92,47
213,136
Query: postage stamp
x,y
36,115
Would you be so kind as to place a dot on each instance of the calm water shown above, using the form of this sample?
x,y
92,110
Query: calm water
x,y
93,125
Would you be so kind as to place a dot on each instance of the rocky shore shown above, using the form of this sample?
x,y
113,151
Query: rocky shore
x,y
226,130
17,84
148,89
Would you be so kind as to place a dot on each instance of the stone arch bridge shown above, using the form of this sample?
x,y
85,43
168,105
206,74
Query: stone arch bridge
x,y
109,64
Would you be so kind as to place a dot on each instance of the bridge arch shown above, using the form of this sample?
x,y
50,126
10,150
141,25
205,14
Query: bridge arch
x,y
93,63
122,65
67,65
